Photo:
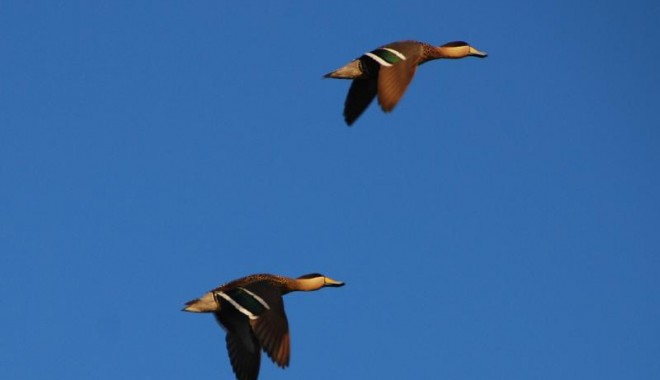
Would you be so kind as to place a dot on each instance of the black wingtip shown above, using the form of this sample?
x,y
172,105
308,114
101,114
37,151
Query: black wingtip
x,y
349,121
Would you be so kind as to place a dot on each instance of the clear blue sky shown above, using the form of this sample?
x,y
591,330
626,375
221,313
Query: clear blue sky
x,y
502,223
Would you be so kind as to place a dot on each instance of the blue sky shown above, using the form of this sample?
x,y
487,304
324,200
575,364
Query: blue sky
x,y
502,223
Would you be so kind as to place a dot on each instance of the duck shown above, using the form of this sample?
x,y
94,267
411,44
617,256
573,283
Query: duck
x,y
251,311
388,70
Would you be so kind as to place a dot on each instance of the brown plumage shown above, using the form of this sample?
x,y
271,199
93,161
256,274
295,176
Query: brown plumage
x,y
251,311
388,70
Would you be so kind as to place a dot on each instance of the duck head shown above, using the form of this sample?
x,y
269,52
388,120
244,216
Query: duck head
x,y
314,281
459,49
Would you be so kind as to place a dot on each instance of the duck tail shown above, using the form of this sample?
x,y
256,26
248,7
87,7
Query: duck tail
x,y
205,304
350,71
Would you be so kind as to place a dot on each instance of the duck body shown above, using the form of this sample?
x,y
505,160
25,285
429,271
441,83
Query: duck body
x,y
388,70
251,311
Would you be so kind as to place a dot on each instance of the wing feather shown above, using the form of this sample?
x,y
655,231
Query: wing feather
x,y
360,95
392,83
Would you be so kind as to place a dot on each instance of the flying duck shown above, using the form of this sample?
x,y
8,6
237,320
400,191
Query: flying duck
x,y
388,70
251,311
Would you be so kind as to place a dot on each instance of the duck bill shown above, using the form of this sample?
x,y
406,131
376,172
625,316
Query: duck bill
x,y
476,53
334,283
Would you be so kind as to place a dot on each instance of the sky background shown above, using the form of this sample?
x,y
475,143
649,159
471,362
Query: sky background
x,y
502,223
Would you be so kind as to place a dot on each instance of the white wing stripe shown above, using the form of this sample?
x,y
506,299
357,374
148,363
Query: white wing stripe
x,y
237,306
378,59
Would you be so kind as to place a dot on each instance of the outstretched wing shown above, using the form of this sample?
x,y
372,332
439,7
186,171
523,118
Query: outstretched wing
x,y
360,95
392,83
242,345
271,327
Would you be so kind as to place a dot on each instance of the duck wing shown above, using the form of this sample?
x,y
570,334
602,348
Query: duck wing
x,y
392,83
360,95
242,345
271,327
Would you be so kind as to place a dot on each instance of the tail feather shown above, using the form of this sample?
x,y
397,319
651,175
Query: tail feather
x,y
350,71
204,304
